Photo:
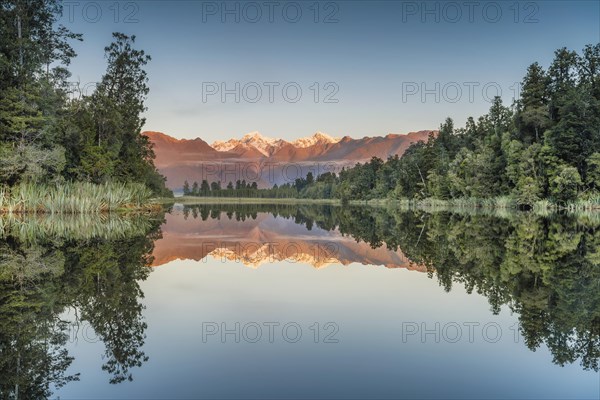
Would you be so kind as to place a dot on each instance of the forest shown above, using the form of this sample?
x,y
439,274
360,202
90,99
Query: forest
x,y
59,146
541,151
54,136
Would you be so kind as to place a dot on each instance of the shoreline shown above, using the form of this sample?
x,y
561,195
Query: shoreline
x,y
191,200
499,204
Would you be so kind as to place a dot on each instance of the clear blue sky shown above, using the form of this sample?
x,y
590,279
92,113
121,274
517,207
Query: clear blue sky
x,y
378,56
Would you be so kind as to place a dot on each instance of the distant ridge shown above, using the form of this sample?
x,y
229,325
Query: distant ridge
x,y
192,160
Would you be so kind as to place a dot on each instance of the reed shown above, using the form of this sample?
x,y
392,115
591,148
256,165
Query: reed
x,y
591,202
73,198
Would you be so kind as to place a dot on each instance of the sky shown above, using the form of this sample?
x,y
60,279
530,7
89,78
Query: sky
x,y
356,68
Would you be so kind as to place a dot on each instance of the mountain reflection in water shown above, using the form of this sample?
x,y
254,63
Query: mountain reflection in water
x,y
545,269
257,238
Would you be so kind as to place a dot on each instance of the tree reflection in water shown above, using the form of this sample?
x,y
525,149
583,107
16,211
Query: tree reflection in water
x,y
545,268
93,267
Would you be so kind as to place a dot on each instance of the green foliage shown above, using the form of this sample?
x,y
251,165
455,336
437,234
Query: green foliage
x,y
45,137
546,146
528,191
593,171
30,164
564,187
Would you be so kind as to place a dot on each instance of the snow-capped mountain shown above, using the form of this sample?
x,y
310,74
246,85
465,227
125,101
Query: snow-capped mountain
x,y
194,160
268,146
317,138
263,144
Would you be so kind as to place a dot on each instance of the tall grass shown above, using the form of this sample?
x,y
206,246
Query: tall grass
x,y
591,202
73,198
588,203
501,202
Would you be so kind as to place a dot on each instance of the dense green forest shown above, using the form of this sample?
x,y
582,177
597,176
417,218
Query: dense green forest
x,y
240,188
544,148
52,135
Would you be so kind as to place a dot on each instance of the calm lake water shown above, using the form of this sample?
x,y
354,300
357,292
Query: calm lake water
x,y
259,301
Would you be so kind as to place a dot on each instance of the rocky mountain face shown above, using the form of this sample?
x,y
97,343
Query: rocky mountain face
x,y
268,161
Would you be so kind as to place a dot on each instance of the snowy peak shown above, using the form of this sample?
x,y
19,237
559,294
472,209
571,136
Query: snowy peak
x,y
260,142
263,144
254,258
317,138
224,146
267,146
257,138
181,160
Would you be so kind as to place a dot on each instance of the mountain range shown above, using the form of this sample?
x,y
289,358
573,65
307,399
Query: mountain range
x,y
266,160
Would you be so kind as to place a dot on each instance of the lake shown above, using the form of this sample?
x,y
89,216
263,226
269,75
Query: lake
x,y
300,301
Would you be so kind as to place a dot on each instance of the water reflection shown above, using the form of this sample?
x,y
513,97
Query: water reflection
x,y
544,268
259,235
48,267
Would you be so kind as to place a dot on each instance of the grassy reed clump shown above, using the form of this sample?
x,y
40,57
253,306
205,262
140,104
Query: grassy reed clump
x,y
431,202
504,202
591,202
73,198
501,202
543,207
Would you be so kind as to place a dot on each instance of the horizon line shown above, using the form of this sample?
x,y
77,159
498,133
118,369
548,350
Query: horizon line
x,y
145,131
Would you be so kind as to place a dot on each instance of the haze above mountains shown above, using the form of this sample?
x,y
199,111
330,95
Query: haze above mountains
x,y
195,160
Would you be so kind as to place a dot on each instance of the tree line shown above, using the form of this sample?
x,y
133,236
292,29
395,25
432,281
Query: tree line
x,y
241,188
49,132
545,147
